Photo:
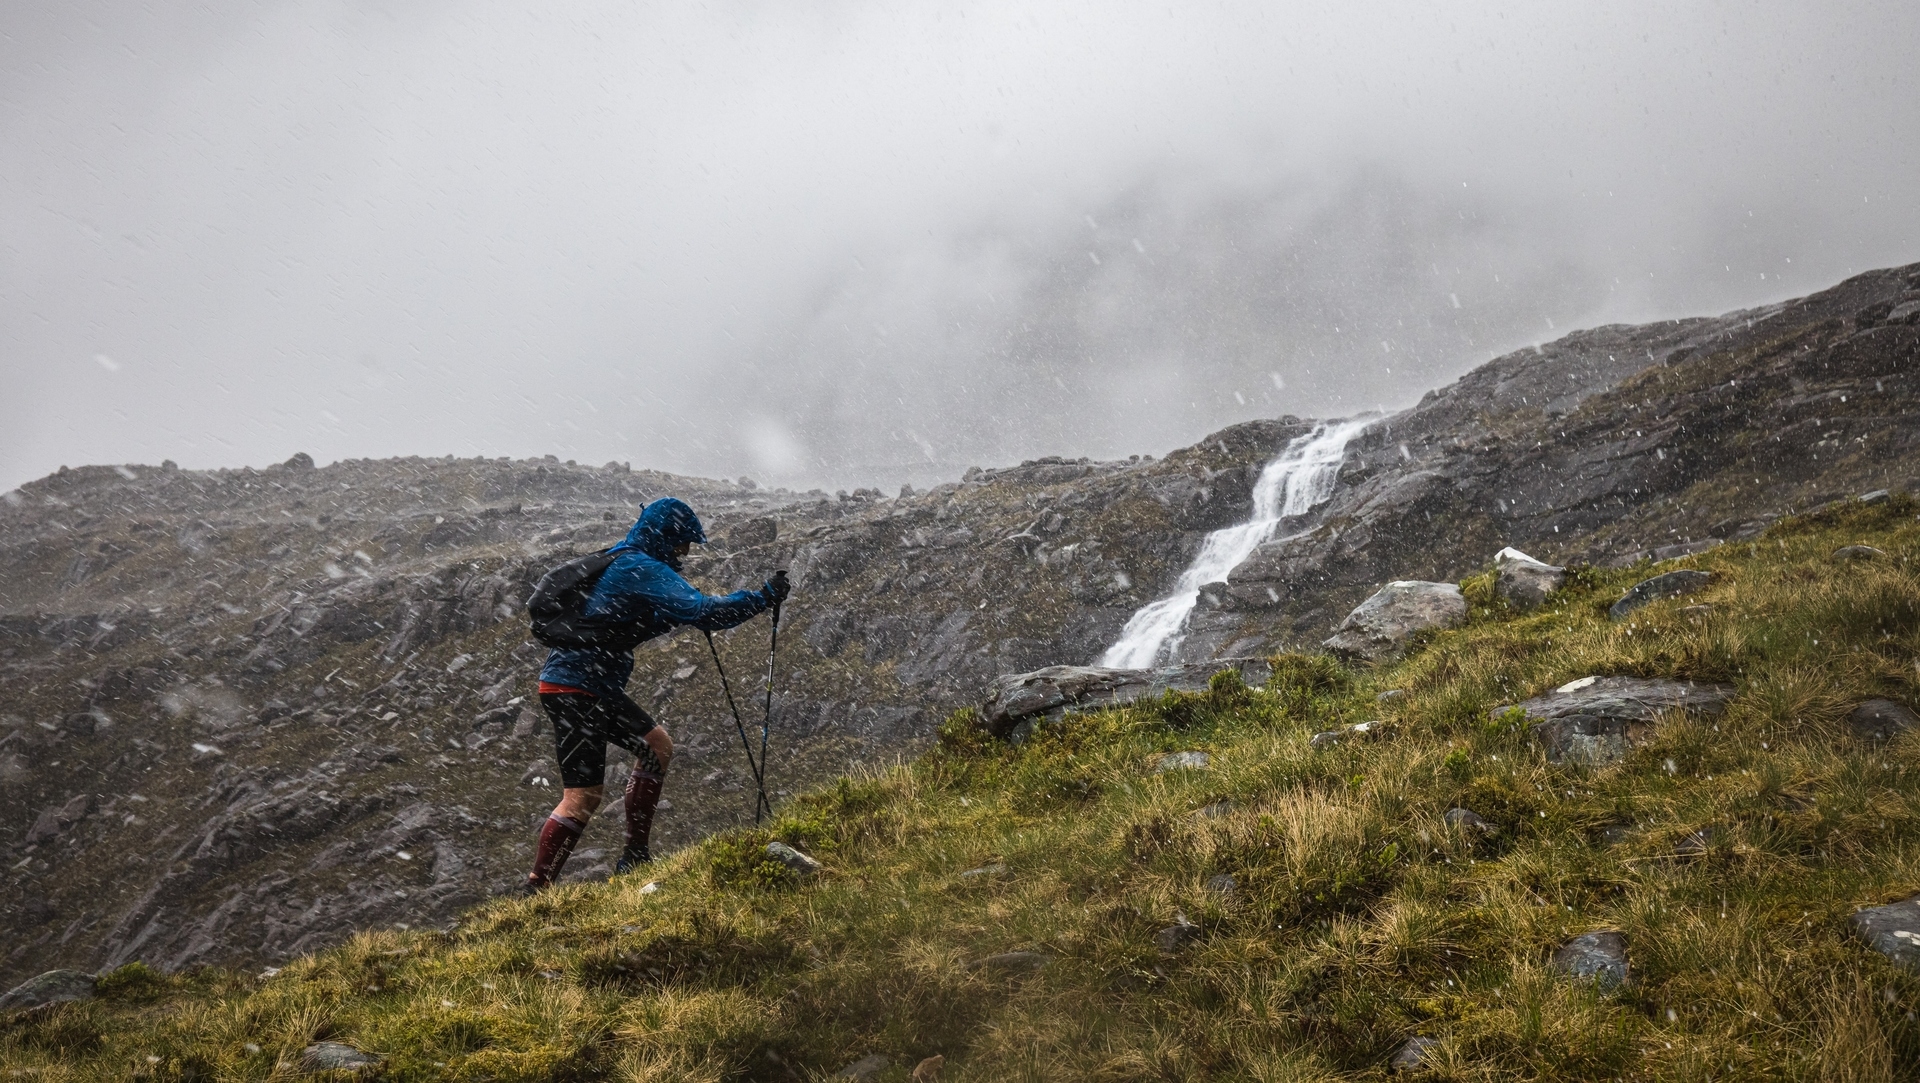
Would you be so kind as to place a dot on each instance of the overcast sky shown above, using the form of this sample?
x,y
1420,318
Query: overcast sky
x,y
866,243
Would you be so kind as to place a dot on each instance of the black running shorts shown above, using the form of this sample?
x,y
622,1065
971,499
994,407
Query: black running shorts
x,y
583,725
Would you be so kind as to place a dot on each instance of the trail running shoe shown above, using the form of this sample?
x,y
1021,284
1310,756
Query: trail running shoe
x,y
633,859
527,889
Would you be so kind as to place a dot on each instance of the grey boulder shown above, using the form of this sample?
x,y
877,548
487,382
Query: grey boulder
x,y
1019,696
1379,628
1666,585
1881,720
1600,957
1414,1055
1892,930
1523,581
53,987
1597,720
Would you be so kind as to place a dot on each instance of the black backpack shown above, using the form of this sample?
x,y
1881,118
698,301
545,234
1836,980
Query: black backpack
x,y
556,609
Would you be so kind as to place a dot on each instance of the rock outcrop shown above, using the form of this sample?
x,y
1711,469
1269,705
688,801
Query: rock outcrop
x,y
1674,584
1598,720
1523,581
1018,697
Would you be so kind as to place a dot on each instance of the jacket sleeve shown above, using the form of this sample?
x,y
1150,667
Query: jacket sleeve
x,y
675,600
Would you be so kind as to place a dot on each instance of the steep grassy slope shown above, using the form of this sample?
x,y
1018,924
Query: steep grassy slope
x,y
1730,853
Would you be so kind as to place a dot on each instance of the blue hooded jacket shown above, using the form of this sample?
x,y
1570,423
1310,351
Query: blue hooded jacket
x,y
643,587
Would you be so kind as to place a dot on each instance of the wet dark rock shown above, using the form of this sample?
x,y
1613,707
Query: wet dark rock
x,y
1598,956
1380,627
52,987
1666,585
55,820
337,1057
1523,581
1415,1055
1881,719
1892,930
1020,696
793,859
1598,720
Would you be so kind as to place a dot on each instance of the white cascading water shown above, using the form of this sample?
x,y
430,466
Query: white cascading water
x,y
1299,478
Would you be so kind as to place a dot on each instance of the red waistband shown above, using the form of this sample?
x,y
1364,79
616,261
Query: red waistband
x,y
562,690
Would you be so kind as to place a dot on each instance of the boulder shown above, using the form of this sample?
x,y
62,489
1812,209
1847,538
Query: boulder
x,y
1379,628
1666,585
1171,939
1881,719
1020,696
53,987
1892,930
1598,956
55,820
1523,581
793,859
337,1057
1596,720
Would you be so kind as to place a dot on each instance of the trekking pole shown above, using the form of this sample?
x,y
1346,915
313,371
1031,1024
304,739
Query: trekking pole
x,y
766,722
739,726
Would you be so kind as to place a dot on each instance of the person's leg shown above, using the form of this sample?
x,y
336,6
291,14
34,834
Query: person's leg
x,y
633,729
582,753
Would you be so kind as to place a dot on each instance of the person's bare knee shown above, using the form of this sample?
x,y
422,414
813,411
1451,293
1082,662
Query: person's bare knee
x,y
579,802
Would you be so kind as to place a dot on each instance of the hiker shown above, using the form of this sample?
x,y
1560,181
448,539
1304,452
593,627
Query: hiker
x,y
583,689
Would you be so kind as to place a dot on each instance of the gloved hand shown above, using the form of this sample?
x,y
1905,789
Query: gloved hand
x,y
778,587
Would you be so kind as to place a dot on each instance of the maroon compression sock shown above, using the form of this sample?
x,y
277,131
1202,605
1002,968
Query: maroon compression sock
x,y
643,795
557,837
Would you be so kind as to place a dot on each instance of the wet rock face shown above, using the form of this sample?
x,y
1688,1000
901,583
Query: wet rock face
x,y
53,987
1673,584
1597,720
1379,629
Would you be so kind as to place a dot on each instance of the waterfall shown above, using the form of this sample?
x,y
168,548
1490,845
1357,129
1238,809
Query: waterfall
x,y
1297,480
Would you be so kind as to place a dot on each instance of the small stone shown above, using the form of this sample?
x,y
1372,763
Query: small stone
x,y
1222,884
1328,738
1523,581
1600,956
866,1068
1469,820
1215,810
1892,930
539,773
336,1057
1414,1055
1881,720
1174,937
793,859
1848,553
984,870
1696,843
1666,585
1877,496
1697,613
52,987
1011,962
1180,761
1390,695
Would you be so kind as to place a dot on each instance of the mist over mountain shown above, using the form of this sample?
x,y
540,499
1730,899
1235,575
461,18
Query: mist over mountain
x,y
864,244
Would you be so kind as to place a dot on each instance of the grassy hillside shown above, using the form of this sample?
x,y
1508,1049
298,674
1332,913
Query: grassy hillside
x,y
1729,852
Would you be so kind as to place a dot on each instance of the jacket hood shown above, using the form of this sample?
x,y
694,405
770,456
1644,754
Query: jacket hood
x,y
664,526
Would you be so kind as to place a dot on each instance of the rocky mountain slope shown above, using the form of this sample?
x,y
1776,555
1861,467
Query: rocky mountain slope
x,y
245,712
